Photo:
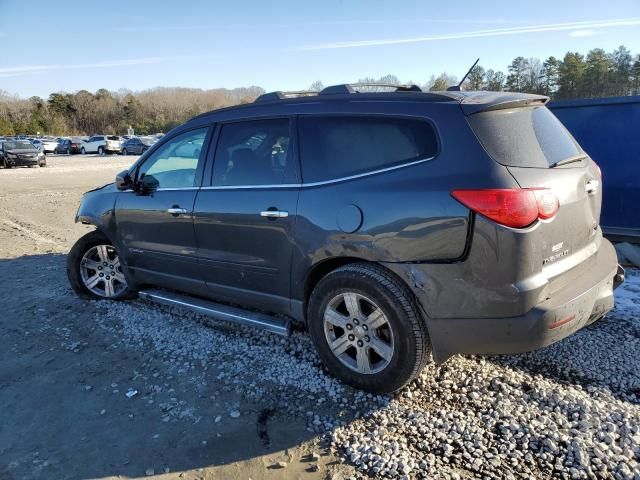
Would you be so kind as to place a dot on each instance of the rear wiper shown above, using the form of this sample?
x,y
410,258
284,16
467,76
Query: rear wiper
x,y
574,158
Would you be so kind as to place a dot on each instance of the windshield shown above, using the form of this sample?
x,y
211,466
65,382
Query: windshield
x,y
21,145
524,137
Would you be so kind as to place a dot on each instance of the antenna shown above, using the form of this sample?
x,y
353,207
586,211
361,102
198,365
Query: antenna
x,y
456,88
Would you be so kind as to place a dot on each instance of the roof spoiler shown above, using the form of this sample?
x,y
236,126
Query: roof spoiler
x,y
496,101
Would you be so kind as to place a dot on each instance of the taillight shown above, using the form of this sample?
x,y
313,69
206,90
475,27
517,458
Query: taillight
x,y
548,204
512,207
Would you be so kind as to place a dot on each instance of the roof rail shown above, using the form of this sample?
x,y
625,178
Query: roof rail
x,y
272,96
353,88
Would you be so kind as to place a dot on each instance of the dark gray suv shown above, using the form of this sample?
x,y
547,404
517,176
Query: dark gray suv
x,y
395,226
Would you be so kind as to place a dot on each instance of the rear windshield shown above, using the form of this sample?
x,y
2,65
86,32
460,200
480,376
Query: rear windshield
x,y
524,137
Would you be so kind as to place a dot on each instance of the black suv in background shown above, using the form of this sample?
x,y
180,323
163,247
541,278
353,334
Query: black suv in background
x,y
396,226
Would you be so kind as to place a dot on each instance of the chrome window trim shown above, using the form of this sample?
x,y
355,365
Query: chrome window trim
x,y
323,182
366,174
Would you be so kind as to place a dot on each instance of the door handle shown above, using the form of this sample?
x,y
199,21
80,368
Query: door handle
x,y
274,214
176,211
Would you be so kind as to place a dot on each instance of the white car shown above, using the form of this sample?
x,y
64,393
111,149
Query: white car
x,y
49,145
102,144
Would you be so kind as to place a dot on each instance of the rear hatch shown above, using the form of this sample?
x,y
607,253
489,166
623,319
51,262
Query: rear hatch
x,y
539,152
113,142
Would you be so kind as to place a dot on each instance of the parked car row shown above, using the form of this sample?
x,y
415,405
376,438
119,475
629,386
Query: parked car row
x,y
100,144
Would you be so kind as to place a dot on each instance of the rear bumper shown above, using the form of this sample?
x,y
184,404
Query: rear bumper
x,y
568,310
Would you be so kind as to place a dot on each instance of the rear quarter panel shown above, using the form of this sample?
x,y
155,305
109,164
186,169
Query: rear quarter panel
x,y
408,214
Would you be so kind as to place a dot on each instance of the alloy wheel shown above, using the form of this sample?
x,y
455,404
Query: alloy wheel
x,y
101,271
358,333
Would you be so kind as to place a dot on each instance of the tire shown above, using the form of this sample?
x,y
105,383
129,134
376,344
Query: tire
x,y
68,151
124,151
100,151
83,151
89,250
403,335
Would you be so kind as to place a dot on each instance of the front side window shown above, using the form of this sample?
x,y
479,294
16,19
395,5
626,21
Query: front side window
x,y
333,147
256,152
175,163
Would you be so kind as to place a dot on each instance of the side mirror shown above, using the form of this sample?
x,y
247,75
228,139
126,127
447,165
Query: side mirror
x,y
147,185
123,180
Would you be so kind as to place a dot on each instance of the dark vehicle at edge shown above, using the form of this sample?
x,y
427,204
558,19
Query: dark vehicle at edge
x,y
20,153
395,226
65,146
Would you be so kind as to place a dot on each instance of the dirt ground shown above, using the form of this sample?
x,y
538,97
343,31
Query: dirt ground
x,y
64,412
100,389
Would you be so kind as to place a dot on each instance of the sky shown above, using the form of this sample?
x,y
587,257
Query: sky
x,y
70,45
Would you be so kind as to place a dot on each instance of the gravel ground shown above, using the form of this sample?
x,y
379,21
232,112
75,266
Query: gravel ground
x,y
100,389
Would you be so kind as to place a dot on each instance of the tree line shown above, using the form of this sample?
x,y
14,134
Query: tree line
x,y
596,74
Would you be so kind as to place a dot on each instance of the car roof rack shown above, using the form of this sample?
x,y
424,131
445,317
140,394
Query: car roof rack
x,y
353,88
273,96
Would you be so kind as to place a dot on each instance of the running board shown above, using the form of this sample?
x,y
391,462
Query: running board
x,y
272,324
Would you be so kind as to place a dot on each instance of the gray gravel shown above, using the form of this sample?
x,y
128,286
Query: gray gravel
x,y
569,411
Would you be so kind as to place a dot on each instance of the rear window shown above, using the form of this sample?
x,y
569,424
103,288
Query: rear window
x,y
333,147
524,137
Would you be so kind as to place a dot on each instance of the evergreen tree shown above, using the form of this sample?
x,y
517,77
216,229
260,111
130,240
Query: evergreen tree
x,y
517,80
571,76
550,76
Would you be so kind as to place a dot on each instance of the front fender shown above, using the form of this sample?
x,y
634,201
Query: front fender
x,y
97,208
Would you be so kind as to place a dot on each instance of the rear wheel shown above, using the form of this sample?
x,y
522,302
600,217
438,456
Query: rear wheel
x,y
100,151
367,328
94,269
83,151
124,151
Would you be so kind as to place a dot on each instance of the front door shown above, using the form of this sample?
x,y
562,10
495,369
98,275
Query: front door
x,y
245,219
155,222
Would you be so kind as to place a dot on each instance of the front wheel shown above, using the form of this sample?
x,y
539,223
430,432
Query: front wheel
x,y
94,269
124,151
367,328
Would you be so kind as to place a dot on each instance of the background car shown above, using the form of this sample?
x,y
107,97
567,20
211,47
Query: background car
x,y
102,144
18,153
76,143
37,143
64,146
136,146
49,145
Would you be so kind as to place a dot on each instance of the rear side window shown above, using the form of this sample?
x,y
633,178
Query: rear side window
x,y
255,152
524,137
334,147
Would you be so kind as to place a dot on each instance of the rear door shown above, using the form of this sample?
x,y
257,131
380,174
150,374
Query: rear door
x,y
156,227
539,152
244,219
